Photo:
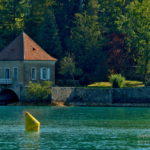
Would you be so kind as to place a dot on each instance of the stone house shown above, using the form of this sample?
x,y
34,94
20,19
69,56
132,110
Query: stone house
x,y
23,60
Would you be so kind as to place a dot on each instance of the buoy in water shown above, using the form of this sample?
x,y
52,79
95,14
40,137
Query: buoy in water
x,y
31,124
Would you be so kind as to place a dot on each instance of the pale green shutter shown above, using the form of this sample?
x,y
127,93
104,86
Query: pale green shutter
x,y
48,74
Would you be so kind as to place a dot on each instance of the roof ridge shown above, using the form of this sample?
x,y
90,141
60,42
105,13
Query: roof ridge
x,y
10,43
39,48
24,48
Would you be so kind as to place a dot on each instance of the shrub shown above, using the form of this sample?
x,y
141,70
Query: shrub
x,y
117,80
147,83
39,91
69,83
84,80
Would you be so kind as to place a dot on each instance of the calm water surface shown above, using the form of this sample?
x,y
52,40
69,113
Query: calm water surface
x,y
76,128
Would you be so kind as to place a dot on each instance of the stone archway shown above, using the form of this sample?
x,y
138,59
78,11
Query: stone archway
x,y
8,96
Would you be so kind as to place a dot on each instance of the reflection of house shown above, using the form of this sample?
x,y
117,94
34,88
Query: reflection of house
x,y
23,61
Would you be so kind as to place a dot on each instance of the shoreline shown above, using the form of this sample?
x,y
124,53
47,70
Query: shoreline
x,y
61,104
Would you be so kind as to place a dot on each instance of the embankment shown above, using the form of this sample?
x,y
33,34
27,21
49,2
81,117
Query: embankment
x,y
101,97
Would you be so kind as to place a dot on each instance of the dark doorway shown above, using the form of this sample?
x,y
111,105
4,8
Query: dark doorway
x,y
8,96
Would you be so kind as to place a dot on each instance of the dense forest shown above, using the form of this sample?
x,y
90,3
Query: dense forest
x,y
90,38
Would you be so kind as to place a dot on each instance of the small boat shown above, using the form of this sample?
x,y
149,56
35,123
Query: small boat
x,y
31,123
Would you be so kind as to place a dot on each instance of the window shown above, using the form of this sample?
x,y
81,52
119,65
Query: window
x,y
45,73
7,73
33,73
15,74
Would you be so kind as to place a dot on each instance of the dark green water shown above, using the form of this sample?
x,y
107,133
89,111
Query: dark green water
x,y
76,128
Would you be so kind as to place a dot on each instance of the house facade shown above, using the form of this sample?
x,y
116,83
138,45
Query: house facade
x,y
23,60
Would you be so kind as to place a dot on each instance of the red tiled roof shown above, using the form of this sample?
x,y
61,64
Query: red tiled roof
x,y
24,48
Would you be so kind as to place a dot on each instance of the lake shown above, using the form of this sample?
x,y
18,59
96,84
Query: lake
x,y
76,128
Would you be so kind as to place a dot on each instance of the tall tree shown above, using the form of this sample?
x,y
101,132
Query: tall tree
x,y
68,68
65,11
86,43
36,14
12,19
135,23
48,35
109,12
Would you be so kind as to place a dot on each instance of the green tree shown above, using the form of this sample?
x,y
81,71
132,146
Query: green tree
x,y
68,68
64,12
12,19
87,43
36,15
13,13
48,35
135,24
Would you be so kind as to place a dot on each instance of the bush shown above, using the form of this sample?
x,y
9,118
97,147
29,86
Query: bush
x,y
68,83
84,80
147,83
117,80
39,91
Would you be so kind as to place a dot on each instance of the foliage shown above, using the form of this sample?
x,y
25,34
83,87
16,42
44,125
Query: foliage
x,y
64,13
86,43
103,35
36,15
147,83
49,38
12,19
68,83
117,80
135,24
39,91
68,68
114,47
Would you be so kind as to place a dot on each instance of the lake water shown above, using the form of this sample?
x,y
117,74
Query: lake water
x,y
76,128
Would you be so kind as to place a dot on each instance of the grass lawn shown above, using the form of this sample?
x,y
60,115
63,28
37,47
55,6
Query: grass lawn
x,y
128,83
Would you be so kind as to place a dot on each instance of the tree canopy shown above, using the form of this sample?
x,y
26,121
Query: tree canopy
x,y
104,36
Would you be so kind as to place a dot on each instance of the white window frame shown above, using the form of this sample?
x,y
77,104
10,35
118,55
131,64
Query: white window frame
x,y
32,73
14,73
5,73
41,73
48,73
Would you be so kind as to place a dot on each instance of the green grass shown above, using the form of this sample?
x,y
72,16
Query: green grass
x,y
100,85
128,83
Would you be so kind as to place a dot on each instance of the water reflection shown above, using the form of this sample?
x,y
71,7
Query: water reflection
x,y
30,140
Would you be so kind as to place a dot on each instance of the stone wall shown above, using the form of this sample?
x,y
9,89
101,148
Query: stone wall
x,y
96,96
131,95
81,96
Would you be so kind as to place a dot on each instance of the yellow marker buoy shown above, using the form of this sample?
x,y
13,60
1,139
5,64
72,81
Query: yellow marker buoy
x,y
31,124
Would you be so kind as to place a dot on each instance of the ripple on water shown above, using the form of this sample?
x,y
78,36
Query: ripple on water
x,y
76,128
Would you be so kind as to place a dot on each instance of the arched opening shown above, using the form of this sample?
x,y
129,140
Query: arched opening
x,y
8,96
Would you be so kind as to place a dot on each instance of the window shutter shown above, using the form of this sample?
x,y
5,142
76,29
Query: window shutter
x,y
48,74
41,73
